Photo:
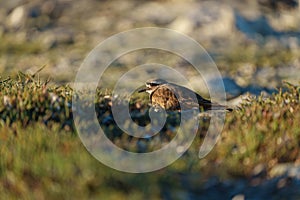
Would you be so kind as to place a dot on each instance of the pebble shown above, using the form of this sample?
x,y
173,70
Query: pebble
x,y
17,17
286,169
239,197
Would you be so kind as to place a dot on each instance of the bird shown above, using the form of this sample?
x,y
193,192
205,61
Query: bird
x,y
173,97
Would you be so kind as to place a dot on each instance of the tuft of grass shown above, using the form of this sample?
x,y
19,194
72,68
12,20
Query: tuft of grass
x,y
25,100
263,131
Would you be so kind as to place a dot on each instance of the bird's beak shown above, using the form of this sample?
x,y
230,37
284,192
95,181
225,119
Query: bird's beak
x,y
142,90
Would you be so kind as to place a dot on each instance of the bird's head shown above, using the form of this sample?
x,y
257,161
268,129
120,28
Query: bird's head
x,y
152,84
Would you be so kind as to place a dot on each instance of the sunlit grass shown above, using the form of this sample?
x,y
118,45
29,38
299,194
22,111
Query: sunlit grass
x,y
42,156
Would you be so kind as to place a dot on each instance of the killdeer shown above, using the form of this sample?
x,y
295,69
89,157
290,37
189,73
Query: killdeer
x,y
172,97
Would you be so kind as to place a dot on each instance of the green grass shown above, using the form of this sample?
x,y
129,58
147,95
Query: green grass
x,y
9,45
49,163
42,156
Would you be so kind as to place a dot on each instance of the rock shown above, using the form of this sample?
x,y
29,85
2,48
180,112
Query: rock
x,y
285,20
259,171
183,25
288,169
289,73
209,19
16,19
154,12
57,37
239,197
37,14
266,76
51,9
245,73
97,24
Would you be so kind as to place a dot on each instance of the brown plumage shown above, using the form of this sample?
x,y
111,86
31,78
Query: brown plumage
x,y
170,96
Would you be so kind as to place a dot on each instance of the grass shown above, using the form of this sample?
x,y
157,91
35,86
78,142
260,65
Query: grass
x,y
262,131
11,45
39,163
43,158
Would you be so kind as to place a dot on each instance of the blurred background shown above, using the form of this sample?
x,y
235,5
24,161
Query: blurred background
x,y
255,44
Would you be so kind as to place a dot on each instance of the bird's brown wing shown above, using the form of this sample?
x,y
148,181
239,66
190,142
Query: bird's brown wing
x,y
174,97
187,99
164,97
